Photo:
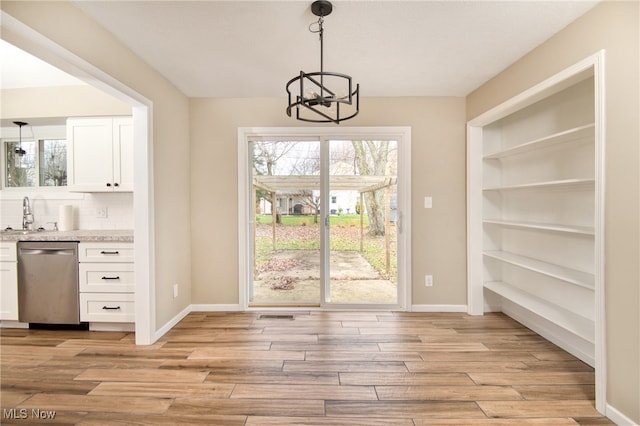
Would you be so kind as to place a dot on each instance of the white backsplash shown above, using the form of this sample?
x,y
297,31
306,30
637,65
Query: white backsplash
x,y
119,209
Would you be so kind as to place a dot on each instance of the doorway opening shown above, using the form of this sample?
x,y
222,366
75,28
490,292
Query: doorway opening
x,y
25,38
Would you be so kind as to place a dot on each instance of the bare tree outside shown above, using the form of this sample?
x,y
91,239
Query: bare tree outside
x,y
309,166
20,170
371,158
53,162
267,161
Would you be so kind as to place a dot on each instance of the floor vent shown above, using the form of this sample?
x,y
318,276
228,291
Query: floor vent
x,y
276,316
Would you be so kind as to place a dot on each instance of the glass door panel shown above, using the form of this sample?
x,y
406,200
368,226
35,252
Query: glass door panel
x,y
286,178
362,211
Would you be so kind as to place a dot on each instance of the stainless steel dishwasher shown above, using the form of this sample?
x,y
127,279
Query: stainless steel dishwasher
x,y
48,282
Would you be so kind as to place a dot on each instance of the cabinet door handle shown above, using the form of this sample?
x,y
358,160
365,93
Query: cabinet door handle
x,y
108,184
110,278
110,252
111,308
116,184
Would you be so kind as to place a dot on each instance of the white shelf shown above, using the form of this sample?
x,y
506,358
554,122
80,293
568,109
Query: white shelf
x,y
577,133
554,184
572,276
571,229
576,324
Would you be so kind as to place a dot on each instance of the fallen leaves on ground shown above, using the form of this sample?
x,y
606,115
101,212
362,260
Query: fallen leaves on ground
x,y
276,264
284,283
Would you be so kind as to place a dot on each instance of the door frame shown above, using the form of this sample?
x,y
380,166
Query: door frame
x,y
400,134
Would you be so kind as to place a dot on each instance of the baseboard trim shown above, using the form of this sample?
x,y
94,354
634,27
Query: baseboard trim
x,y
570,342
171,323
13,324
618,418
216,308
438,308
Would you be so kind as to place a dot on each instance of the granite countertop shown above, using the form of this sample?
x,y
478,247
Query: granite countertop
x,y
84,235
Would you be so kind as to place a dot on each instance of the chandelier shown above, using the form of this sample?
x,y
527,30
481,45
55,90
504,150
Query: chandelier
x,y
322,97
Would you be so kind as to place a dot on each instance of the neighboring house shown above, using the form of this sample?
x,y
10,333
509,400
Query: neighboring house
x,y
340,202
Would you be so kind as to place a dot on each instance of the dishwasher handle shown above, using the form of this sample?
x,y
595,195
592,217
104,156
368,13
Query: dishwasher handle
x,y
48,251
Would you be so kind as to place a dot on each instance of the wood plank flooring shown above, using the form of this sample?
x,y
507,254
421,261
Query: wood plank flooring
x,y
319,368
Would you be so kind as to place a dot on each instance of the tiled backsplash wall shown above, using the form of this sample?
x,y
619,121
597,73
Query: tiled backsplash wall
x,y
119,209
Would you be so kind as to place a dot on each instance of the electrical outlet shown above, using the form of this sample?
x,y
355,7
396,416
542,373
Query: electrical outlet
x,y
102,212
428,280
175,291
428,202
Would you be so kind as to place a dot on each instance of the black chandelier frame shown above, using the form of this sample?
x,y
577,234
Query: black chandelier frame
x,y
321,103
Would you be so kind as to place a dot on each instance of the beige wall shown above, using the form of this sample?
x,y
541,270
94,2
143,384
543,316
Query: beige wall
x,y
63,101
438,170
68,27
613,26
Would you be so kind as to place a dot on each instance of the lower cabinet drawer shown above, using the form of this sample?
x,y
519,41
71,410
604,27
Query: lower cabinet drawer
x,y
8,252
106,277
107,307
105,252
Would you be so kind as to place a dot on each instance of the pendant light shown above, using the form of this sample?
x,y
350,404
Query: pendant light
x,y
19,152
322,97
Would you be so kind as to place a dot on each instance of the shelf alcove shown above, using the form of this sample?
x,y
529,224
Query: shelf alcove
x,y
536,211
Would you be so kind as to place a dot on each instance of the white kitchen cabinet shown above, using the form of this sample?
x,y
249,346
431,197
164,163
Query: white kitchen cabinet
x,y
107,282
105,252
100,154
106,277
535,209
8,281
107,307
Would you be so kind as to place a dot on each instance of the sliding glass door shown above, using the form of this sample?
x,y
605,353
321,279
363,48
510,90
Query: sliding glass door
x,y
323,222
362,214
286,176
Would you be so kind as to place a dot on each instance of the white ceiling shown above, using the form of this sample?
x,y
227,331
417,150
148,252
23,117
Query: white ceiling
x,y
19,70
392,48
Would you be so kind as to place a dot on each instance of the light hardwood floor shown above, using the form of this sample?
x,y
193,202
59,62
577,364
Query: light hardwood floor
x,y
320,368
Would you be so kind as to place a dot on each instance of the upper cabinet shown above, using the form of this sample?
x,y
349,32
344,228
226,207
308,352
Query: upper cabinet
x,y
100,156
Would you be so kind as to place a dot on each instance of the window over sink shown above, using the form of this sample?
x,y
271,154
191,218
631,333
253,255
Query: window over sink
x,y
43,163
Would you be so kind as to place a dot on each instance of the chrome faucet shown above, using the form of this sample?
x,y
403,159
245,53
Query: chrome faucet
x,y
27,214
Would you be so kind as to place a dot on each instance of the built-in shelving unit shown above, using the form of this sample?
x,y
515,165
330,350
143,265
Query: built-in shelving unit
x,y
535,210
